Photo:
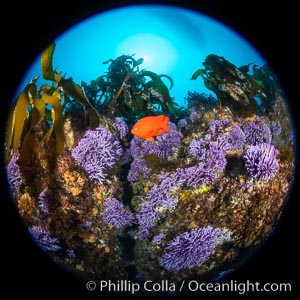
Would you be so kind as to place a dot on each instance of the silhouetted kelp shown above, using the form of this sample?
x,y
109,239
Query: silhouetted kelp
x,y
234,86
128,92
36,104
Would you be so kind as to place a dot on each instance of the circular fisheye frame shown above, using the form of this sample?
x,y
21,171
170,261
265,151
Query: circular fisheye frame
x,y
139,157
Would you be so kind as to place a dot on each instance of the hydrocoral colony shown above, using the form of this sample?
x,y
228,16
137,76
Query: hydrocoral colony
x,y
260,161
190,249
97,151
14,174
116,215
211,162
121,127
210,154
137,168
43,239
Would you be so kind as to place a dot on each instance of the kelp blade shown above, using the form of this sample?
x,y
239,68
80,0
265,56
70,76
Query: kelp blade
x,y
57,119
74,90
46,62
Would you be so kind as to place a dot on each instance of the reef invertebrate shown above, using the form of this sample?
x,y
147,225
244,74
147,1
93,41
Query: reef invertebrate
x,y
261,161
158,238
182,123
193,116
275,129
115,214
216,125
137,168
97,151
157,202
257,132
190,249
121,127
43,202
44,239
233,140
209,152
14,174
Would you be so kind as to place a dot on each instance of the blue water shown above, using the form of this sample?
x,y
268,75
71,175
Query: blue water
x,y
172,41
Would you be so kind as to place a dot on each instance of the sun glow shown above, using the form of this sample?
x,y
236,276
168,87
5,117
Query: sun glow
x,y
159,54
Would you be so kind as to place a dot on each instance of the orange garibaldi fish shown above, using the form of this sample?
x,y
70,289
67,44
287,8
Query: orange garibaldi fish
x,y
149,127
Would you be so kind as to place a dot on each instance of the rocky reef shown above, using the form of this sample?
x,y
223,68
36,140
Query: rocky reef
x,y
191,204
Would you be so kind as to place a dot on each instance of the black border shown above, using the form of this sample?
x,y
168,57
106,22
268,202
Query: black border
x,y
28,27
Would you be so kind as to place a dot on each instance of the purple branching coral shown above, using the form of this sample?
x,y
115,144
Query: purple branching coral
x,y
115,214
257,132
199,148
275,129
210,156
121,127
163,146
158,238
71,253
137,168
217,125
167,142
201,174
157,202
182,123
44,202
233,140
193,116
190,249
97,151
261,161
211,162
14,174
43,239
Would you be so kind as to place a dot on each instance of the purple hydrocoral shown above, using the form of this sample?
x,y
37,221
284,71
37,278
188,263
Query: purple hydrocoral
x,y
275,129
193,116
219,124
43,239
14,174
135,148
137,168
167,142
199,148
163,146
115,214
97,151
260,161
44,202
157,202
233,140
158,238
211,162
71,253
257,132
121,127
182,123
210,156
190,249
202,174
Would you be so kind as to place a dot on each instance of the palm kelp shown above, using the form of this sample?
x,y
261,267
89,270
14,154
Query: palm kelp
x,y
128,92
35,105
187,199
244,93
